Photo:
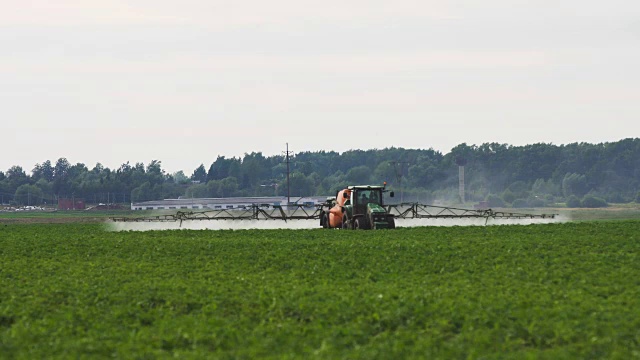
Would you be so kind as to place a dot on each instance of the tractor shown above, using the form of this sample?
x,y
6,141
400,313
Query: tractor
x,y
357,207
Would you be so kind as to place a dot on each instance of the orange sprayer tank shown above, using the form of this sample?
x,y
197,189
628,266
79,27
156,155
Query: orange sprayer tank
x,y
335,213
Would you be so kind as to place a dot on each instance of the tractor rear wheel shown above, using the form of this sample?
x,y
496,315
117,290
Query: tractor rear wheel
x,y
325,221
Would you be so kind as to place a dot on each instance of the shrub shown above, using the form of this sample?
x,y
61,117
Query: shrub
x,y
520,189
520,203
615,198
508,196
574,184
537,202
590,201
28,195
495,201
573,201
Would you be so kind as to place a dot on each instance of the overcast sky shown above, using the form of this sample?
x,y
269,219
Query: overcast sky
x,y
183,82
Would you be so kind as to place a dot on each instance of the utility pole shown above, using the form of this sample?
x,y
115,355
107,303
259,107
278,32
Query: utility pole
x,y
461,183
461,162
398,166
288,161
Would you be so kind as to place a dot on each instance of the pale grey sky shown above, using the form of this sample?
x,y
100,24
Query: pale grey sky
x,y
183,82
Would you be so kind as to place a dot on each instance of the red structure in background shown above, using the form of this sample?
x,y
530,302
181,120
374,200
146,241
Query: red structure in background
x,y
71,204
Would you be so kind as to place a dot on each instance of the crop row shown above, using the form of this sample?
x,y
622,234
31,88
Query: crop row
x,y
555,291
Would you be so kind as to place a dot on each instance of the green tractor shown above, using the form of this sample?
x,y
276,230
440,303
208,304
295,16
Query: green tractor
x,y
357,207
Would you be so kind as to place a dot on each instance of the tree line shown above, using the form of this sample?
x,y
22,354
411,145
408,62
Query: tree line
x,y
504,175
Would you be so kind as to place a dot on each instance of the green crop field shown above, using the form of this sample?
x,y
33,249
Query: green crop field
x,y
551,291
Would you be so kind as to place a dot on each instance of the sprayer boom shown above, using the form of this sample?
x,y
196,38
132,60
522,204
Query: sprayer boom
x,y
320,212
421,211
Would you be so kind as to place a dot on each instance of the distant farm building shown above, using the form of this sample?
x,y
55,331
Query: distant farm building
x,y
71,204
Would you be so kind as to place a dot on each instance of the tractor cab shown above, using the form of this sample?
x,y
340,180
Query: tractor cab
x,y
364,209
362,197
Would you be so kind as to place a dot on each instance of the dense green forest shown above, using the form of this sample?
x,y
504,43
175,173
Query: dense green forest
x,y
579,174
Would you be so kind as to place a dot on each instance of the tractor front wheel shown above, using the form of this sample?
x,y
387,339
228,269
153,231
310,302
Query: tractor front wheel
x,y
345,222
392,223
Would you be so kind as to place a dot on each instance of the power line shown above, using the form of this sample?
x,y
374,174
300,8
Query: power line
x,y
398,166
288,161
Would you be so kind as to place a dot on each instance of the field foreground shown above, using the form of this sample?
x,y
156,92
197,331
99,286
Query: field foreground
x,y
544,291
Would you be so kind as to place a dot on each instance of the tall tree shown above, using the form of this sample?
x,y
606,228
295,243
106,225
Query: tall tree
x,y
199,174
219,169
43,171
16,177
60,174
